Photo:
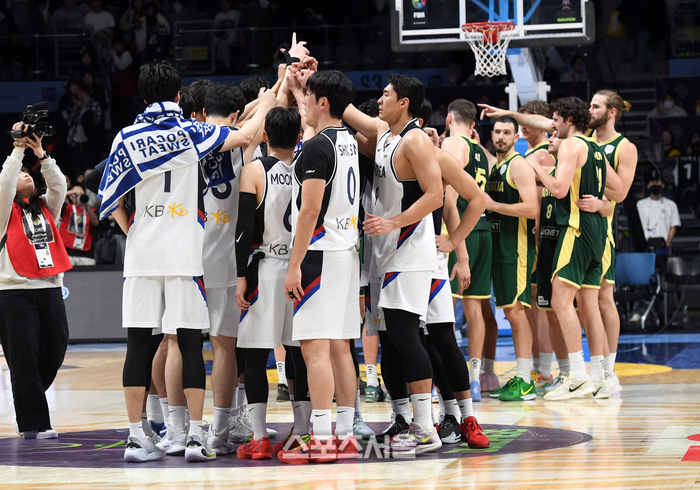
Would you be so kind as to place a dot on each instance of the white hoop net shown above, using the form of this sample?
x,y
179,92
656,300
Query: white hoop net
x,y
489,42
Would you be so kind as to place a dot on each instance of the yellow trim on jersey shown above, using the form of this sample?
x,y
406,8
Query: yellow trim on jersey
x,y
574,190
606,261
467,138
508,179
589,132
469,296
588,286
544,146
458,296
608,140
522,255
567,249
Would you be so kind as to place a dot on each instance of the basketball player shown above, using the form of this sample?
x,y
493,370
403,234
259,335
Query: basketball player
x,y
461,117
606,110
323,274
264,228
407,187
581,170
157,158
541,345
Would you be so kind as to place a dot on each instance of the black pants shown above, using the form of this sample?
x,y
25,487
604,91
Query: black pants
x,y
34,336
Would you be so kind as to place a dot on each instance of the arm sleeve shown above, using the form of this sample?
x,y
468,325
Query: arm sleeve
x,y
317,159
8,185
244,231
55,187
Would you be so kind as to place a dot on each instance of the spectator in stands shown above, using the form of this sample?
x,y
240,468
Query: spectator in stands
x,y
439,117
96,91
86,131
670,148
68,16
658,214
133,27
578,70
123,89
89,63
77,229
98,19
157,34
694,146
227,21
668,107
66,102
251,87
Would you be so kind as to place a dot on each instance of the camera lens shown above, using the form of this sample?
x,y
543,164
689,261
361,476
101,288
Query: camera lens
x,y
84,198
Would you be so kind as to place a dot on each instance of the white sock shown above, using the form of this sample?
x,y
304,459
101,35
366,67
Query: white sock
x,y
452,408
146,424
523,369
474,370
610,362
176,418
257,412
196,429
241,395
488,365
302,416
402,407
546,364
322,424
221,419
136,430
372,378
357,400
578,366
187,417
441,402
164,408
422,407
154,409
564,366
465,408
343,423
597,368
281,374
536,364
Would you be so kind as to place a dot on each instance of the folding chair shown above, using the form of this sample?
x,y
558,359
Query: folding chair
x,y
637,269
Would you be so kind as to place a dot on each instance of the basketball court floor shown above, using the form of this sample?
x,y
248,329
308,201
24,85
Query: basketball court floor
x,y
647,438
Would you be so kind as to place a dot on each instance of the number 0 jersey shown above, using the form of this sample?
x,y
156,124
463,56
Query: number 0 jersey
x,y
332,156
221,206
412,248
478,168
272,232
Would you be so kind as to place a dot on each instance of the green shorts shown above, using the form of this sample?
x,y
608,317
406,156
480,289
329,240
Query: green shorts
x,y
511,283
575,263
543,273
609,263
480,250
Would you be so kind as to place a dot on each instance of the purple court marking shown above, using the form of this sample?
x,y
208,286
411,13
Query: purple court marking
x,y
105,448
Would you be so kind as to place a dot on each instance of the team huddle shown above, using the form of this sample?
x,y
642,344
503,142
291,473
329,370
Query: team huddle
x,y
261,222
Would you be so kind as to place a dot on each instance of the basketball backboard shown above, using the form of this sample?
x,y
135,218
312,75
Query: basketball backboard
x,y
436,25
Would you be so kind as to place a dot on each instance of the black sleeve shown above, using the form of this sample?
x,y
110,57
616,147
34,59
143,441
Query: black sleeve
x,y
92,181
244,230
317,159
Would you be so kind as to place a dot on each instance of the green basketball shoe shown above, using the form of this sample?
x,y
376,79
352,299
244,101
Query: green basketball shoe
x,y
519,391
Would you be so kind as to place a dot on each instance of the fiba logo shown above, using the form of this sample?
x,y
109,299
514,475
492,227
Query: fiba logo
x,y
65,292
418,4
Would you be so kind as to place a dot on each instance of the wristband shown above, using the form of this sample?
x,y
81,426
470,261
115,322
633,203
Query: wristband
x,y
46,155
19,144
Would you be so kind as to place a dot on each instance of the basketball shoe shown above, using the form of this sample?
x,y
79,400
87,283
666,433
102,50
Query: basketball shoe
x,y
518,391
540,382
174,441
556,383
473,434
448,430
310,450
138,451
488,382
360,428
496,393
219,443
400,425
374,394
572,388
253,449
475,388
197,450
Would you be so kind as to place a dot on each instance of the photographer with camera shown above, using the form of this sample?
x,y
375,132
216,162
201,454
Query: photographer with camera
x,y
33,323
77,228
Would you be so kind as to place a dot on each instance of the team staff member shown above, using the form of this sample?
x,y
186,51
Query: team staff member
x,y
33,324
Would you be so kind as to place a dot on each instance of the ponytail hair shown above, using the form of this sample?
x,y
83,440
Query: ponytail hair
x,y
614,101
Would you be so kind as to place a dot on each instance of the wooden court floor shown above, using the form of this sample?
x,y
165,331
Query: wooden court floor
x,y
643,440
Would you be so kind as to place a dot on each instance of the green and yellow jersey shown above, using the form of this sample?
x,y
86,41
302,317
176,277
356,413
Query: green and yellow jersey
x,y
509,233
588,179
611,151
531,223
478,168
548,212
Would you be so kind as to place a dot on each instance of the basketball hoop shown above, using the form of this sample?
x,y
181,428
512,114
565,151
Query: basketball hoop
x,y
490,46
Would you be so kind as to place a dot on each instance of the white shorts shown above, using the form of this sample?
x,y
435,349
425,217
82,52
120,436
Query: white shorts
x,y
329,308
374,317
169,301
268,321
440,303
407,291
223,311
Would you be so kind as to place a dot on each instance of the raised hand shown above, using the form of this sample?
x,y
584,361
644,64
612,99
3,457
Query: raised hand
x,y
491,111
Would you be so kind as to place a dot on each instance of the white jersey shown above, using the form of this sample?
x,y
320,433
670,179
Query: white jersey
x,y
370,271
221,206
273,225
412,248
331,155
166,231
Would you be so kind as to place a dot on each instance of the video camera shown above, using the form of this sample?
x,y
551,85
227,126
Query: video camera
x,y
31,118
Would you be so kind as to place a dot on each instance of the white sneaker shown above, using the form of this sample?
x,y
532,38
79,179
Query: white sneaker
x,y
198,450
556,383
602,390
240,428
174,441
271,433
614,382
360,428
572,388
138,451
34,434
219,443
